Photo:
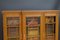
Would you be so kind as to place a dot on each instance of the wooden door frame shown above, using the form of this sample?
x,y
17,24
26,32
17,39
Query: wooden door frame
x,y
54,13
10,13
31,14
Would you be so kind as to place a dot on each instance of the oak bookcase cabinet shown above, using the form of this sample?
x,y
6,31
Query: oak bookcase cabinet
x,y
30,25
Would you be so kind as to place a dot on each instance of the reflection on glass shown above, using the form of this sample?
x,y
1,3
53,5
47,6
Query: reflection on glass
x,y
13,32
13,28
50,27
50,19
33,28
13,21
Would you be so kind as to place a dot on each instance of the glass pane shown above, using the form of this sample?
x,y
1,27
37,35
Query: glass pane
x,y
33,28
50,19
13,28
13,21
13,32
50,27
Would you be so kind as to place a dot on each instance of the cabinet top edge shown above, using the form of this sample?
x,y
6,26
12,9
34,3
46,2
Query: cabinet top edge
x,y
41,10
11,10
30,11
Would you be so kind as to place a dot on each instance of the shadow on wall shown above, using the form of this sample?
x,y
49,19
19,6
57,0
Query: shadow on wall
x,y
59,26
1,27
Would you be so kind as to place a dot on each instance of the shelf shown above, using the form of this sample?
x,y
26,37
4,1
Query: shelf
x,y
13,26
33,25
33,29
33,35
51,23
14,37
50,34
33,38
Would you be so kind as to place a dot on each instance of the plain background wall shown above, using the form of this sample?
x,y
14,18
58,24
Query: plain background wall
x,y
27,5
30,4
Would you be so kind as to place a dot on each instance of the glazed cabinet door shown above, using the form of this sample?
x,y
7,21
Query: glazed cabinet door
x,y
12,25
32,25
51,26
